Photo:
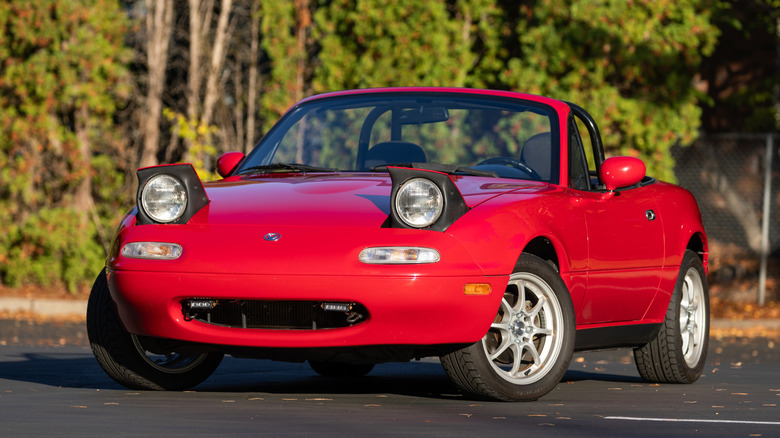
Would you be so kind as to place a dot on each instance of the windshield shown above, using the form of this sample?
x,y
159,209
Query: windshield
x,y
509,138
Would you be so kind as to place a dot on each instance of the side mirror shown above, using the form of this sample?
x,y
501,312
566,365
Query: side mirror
x,y
618,172
227,162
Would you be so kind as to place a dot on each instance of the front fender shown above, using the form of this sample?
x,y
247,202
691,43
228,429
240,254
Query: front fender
x,y
499,229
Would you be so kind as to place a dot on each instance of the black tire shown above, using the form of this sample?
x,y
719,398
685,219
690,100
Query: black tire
x,y
339,369
529,346
128,359
678,353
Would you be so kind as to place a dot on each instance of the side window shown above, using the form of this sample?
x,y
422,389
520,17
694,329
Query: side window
x,y
587,147
578,167
592,147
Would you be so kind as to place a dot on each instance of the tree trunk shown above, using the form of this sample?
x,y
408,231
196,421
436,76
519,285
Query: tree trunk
x,y
217,61
198,32
82,199
251,100
302,23
238,109
200,26
159,24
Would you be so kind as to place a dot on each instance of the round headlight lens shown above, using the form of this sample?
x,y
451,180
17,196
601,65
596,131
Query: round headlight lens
x,y
164,198
419,203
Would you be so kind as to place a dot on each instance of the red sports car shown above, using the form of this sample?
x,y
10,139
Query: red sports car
x,y
483,227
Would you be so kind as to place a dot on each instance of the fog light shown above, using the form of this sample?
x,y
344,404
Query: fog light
x,y
199,304
337,307
477,289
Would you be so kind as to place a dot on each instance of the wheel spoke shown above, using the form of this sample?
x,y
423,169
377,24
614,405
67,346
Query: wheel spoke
x,y
517,362
686,340
546,331
531,348
501,326
505,343
520,298
538,307
506,307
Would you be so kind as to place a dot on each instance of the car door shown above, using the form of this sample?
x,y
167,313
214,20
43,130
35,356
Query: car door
x,y
625,240
625,255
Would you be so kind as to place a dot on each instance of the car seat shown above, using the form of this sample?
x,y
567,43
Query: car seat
x,y
394,152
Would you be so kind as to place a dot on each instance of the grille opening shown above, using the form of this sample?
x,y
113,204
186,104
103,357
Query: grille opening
x,y
274,314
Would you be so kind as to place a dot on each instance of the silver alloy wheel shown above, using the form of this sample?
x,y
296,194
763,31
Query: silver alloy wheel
x,y
170,362
525,339
693,319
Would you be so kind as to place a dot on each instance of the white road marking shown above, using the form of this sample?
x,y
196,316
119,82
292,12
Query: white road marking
x,y
693,420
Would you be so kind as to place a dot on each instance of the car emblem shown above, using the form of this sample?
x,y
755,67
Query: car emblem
x,y
272,237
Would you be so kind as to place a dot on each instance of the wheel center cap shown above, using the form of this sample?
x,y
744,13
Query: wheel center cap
x,y
518,328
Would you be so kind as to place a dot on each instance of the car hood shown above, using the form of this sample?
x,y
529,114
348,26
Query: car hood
x,y
344,200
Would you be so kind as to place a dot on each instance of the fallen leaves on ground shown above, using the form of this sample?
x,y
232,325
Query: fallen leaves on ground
x,y
721,308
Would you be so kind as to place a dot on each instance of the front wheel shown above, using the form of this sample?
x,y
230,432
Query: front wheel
x,y
140,362
678,352
529,345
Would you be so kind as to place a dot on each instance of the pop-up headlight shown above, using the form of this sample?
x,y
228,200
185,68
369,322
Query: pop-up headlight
x,y
164,199
169,194
424,199
419,202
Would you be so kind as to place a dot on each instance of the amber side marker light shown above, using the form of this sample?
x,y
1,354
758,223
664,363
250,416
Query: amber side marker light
x,y
477,289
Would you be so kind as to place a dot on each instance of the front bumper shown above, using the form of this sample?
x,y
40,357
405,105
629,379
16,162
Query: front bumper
x,y
403,309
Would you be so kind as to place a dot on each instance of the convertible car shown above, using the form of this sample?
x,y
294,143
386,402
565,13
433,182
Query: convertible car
x,y
482,227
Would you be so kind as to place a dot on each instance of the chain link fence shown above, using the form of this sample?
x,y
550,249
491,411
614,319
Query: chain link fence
x,y
727,173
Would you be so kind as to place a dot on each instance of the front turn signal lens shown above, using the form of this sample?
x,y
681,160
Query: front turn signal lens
x,y
477,289
152,250
399,255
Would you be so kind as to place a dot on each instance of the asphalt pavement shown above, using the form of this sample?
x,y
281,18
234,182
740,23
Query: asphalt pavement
x,y
61,391
50,384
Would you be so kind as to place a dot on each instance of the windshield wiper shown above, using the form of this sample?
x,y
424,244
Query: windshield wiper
x,y
285,167
450,169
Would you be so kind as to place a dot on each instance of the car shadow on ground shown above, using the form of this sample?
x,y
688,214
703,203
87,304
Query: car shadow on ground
x,y
76,368
54,367
578,376
420,379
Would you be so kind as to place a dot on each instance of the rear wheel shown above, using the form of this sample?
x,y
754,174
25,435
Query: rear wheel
x,y
678,352
140,362
529,346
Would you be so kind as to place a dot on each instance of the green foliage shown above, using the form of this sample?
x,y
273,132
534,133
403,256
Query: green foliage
x,y
63,73
281,45
49,248
629,63
378,43
202,149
